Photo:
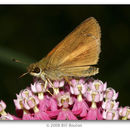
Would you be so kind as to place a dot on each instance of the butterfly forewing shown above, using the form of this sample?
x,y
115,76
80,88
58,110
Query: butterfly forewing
x,y
80,49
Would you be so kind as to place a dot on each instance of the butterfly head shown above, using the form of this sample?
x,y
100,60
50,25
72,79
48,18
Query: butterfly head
x,y
34,70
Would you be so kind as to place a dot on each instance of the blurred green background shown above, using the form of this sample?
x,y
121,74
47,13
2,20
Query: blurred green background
x,y
28,33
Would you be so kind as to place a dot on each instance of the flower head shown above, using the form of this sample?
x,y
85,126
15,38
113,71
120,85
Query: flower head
x,y
110,114
66,115
26,100
38,87
64,100
97,85
57,84
94,96
24,94
6,117
79,86
110,94
109,105
85,99
124,112
30,102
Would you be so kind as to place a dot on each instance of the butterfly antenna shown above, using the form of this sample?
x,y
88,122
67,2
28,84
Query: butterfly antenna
x,y
18,61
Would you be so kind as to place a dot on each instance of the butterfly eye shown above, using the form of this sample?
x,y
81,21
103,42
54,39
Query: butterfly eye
x,y
36,70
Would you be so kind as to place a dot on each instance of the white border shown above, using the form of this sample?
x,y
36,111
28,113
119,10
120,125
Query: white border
x,y
86,125
64,1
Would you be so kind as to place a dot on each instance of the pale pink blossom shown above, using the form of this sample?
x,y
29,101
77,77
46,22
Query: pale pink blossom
x,y
9,117
30,103
57,84
110,115
109,105
94,96
97,85
26,93
2,106
79,86
26,100
6,117
110,94
18,103
64,100
38,87
124,112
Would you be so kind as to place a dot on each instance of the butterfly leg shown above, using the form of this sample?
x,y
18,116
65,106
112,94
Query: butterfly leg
x,y
45,85
51,84
46,82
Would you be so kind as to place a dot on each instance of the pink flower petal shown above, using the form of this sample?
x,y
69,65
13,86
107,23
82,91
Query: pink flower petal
x,y
61,115
74,82
109,116
16,118
41,116
124,111
88,96
97,97
82,81
80,107
104,86
70,115
17,104
28,117
115,96
43,105
66,115
53,114
53,104
39,87
33,88
62,83
71,90
2,104
56,84
31,103
83,89
104,114
92,114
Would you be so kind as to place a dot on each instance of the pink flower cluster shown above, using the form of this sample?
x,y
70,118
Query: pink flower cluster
x,y
80,99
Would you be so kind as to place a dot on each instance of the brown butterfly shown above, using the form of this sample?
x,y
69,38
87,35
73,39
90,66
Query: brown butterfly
x,y
74,56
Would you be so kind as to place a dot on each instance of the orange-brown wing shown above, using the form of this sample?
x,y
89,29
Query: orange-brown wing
x,y
81,71
80,48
